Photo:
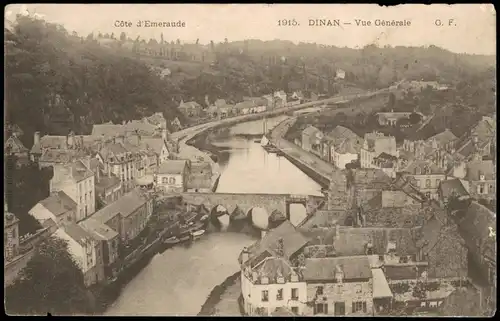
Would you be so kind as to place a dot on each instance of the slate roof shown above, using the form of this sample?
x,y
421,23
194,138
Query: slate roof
x,y
106,181
323,269
59,203
452,187
352,241
340,132
474,228
16,143
273,267
111,149
79,171
484,167
77,233
98,230
125,206
292,240
61,155
422,165
444,137
172,167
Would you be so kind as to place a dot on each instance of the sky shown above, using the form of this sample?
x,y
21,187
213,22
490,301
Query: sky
x,y
473,29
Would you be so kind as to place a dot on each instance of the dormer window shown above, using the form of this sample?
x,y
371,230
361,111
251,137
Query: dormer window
x,y
481,176
264,280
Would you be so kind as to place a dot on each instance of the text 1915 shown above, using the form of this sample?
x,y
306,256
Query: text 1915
x,y
287,23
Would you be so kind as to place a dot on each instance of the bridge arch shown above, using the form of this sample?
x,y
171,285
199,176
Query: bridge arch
x,y
259,217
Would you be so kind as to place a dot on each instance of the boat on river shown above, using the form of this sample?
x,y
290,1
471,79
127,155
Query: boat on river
x,y
185,236
197,233
204,218
172,240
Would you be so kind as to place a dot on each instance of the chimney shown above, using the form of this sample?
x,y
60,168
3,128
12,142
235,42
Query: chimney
x,y
280,249
36,138
245,254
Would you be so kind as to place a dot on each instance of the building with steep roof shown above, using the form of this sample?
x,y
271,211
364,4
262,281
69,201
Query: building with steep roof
x,y
341,146
311,140
84,249
426,176
58,206
128,215
375,144
14,146
77,181
269,279
173,175
339,285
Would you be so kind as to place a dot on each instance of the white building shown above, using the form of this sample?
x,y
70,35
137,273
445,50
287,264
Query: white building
x,y
172,176
375,144
269,280
58,207
77,181
83,248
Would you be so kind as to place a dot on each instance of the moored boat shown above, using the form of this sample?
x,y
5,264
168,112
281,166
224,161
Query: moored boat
x,y
172,240
197,233
204,217
186,236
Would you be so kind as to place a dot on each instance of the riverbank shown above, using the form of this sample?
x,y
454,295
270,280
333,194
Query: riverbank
x,y
223,299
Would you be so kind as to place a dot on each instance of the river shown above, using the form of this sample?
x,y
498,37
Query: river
x,y
178,281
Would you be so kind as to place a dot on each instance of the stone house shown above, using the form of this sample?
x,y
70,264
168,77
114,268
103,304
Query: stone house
x,y
172,176
78,182
341,146
109,242
86,252
14,146
58,207
108,187
128,216
426,176
311,140
375,144
339,286
269,279
190,109
118,160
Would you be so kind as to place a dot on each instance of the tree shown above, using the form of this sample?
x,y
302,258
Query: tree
x,y
112,36
123,37
161,38
212,45
178,42
392,101
341,117
197,41
50,283
90,36
415,118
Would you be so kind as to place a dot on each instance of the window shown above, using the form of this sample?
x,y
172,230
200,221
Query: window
x,y
172,180
427,183
265,296
481,188
279,295
319,290
321,308
490,188
295,294
437,182
295,310
359,288
164,180
359,306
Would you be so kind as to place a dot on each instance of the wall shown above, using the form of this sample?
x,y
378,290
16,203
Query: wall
x,y
346,292
341,160
489,188
177,186
252,295
12,269
421,181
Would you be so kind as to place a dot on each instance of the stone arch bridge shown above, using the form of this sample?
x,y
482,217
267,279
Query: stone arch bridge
x,y
277,206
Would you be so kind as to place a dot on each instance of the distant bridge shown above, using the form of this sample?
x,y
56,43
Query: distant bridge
x,y
240,205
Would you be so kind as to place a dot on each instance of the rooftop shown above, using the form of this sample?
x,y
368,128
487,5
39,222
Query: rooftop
x,y
124,206
98,230
324,269
475,169
59,203
77,233
172,167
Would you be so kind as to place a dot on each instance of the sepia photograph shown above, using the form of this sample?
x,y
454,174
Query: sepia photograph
x,y
250,160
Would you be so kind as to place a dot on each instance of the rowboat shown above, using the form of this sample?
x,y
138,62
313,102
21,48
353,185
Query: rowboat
x,y
172,240
204,217
185,237
197,233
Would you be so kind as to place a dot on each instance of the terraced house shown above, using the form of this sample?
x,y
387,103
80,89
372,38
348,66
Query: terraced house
x,y
77,181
